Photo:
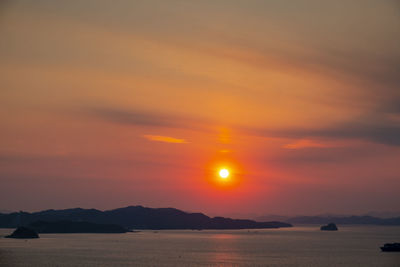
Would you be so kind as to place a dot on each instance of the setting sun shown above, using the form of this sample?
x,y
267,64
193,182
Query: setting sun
x,y
222,116
224,173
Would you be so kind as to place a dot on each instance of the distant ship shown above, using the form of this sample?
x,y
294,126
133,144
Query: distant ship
x,y
390,247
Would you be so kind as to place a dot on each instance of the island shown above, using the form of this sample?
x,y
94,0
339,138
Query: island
x,y
23,233
133,217
329,227
70,227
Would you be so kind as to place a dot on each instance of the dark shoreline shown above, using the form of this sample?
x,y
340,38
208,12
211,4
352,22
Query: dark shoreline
x,y
138,218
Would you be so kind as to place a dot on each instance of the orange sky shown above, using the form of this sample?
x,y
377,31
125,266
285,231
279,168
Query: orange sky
x,y
140,102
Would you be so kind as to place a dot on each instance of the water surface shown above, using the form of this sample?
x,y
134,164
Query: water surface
x,y
297,246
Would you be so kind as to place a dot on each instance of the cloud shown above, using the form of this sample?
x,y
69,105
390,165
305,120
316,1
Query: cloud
x,y
381,133
306,143
165,139
379,126
340,62
376,127
150,119
343,153
141,118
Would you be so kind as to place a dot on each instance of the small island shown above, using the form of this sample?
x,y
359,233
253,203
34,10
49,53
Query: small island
x,y
329,227
23,233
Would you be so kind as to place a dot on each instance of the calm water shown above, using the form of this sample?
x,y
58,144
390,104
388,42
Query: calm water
x,y
298,246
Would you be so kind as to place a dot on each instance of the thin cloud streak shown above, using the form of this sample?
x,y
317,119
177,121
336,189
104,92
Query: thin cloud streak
x,y
149,119
306,143
165,139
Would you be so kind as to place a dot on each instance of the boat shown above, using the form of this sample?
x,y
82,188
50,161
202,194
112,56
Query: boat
x,y
391,247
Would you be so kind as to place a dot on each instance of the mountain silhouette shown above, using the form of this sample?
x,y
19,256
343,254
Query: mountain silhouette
x,y
136,217
75,227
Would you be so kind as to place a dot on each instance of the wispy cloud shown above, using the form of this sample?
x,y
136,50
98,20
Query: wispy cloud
x,y
141,118
306,143
150,119
378,126
165,139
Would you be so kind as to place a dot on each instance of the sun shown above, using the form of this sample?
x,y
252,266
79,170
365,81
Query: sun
x,y
224,173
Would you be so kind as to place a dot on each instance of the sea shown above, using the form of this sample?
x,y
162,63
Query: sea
x,y
297,246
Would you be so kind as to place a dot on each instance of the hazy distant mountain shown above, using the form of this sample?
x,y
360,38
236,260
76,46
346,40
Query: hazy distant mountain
x,y
343,220
384,214
372,218
272,217
136,217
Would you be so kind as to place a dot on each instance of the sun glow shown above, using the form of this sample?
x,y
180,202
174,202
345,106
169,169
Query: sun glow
x,y
224,173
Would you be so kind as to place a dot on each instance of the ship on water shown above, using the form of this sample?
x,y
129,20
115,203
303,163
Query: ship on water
x,y
391,247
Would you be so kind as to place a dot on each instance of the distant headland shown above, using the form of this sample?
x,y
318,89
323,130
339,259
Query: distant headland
x,y
132,217
341,220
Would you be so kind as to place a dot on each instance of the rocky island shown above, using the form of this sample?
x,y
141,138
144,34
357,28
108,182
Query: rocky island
x,y
23,233
329,227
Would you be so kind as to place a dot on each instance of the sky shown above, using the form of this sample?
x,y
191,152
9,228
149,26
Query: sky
x,y
105,104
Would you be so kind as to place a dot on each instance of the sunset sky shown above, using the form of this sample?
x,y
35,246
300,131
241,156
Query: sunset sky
x,y
105,104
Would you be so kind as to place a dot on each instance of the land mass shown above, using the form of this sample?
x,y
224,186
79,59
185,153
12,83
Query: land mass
x,y
362,220
23,233
366,220
135,217
329,227
66,227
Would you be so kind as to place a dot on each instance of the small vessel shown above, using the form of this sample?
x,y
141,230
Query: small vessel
x,y
390,247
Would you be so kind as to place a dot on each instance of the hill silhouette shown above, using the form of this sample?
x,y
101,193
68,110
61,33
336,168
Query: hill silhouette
x,y
75,227
136,217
